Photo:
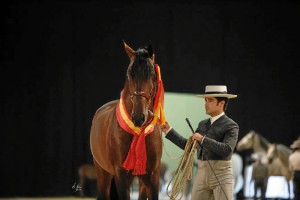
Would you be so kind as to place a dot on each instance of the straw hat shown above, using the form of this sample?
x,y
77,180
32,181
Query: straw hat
x,y
216,91
296,144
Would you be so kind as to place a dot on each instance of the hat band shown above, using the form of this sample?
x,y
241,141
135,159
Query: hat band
x,y
216,92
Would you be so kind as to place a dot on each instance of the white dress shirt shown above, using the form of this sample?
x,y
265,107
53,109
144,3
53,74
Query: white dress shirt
x,y
213,119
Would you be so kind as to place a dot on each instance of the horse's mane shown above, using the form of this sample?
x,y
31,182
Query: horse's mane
x,y
283,152
142,67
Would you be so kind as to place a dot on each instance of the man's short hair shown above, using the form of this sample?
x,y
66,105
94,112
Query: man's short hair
x,y
225,99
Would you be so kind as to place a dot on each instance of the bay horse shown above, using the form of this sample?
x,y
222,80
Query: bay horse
x,y
125,136
275,156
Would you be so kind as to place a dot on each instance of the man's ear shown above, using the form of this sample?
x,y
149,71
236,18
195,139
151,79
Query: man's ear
x,y
222,102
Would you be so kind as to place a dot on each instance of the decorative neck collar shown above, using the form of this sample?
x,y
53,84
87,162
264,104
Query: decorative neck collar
x,y
137,156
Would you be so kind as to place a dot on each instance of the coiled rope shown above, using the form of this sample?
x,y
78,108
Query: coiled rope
x,y
184,170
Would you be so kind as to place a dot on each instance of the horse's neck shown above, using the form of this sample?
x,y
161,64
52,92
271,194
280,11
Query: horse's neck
x,y
257,147
283,152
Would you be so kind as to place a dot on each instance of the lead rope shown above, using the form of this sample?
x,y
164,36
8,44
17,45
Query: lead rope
x,y
184,170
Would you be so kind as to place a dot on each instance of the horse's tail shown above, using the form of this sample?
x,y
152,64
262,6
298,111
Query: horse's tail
x,y
113,190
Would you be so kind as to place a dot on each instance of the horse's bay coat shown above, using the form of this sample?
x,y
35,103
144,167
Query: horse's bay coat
x,y
110,143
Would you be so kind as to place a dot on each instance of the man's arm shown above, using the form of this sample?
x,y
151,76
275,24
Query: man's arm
x,y
173,136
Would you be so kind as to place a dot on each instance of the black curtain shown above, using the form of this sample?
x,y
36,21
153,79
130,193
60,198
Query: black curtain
x,y
60,61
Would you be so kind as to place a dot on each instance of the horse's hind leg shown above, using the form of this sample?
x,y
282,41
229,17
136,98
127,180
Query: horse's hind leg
x,y
103,182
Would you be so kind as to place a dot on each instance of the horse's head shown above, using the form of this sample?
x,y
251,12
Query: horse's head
x,y
142,82
254,141
247,142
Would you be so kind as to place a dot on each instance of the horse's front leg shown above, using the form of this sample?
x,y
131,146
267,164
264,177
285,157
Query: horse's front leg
x,y
123,181
149,186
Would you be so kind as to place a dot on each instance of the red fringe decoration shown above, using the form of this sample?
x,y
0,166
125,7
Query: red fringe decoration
x,y
137,155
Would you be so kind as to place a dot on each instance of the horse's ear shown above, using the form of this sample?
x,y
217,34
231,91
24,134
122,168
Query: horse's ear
x,y
150,51
153,58
130,52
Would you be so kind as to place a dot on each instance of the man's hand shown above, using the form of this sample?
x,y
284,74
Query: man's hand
x,y
197,136
165,128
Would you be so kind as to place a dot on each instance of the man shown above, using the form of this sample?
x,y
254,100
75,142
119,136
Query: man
x,y
259,176
217,137
294,164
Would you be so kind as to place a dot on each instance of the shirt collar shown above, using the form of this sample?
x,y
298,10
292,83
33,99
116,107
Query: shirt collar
x,y
213,119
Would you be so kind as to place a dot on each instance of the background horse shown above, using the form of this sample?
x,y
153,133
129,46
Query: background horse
x,y
255,142
122,129
275,156
278,162
86,172
278,157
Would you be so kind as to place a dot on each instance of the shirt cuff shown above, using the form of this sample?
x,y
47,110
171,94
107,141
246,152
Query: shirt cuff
x,y
168,130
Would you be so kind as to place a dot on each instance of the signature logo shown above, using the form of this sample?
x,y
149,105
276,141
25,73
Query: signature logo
x,y
76,187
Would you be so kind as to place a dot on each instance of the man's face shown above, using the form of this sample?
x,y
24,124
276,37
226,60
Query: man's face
x,y
212,107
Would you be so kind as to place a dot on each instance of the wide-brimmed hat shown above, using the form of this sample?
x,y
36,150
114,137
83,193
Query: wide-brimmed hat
x,y
296,144
216,91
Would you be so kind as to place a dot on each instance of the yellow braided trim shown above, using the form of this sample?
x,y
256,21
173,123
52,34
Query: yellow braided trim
x,y
127,120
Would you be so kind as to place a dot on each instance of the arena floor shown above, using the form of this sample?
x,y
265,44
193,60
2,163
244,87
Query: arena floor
x,y
47,198
134,196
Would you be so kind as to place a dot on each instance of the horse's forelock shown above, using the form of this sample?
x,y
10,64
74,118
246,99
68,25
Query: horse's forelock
x,y
143,52
142,66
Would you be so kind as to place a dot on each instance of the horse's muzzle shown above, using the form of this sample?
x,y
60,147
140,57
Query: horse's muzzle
x,y
138,120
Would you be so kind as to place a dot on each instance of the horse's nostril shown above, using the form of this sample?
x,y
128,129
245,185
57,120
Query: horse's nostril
x,y
143,117
138,120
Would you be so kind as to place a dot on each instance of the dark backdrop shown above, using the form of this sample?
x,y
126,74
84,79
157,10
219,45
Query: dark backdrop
x,y
61,61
